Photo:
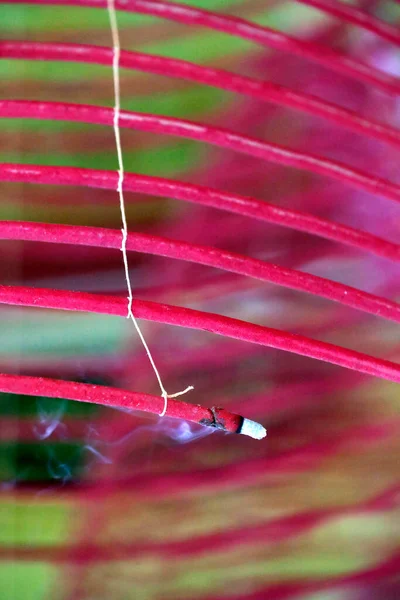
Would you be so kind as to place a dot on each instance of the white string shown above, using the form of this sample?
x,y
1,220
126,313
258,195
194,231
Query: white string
x,y
121,174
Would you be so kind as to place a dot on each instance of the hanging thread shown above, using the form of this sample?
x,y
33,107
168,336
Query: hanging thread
x,y
121,173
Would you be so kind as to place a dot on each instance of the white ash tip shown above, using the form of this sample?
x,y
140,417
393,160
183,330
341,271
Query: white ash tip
x,y
253,429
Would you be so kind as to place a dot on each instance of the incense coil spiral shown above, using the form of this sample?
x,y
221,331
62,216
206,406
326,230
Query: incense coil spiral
x,y
289,141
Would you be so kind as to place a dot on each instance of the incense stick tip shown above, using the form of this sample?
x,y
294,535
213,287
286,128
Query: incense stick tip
x,y
253,429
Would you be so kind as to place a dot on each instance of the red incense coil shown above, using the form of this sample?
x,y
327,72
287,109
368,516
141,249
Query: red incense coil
x,y
308,145
214,417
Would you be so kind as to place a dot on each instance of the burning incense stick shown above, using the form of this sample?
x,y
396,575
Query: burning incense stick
x,y
215,417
